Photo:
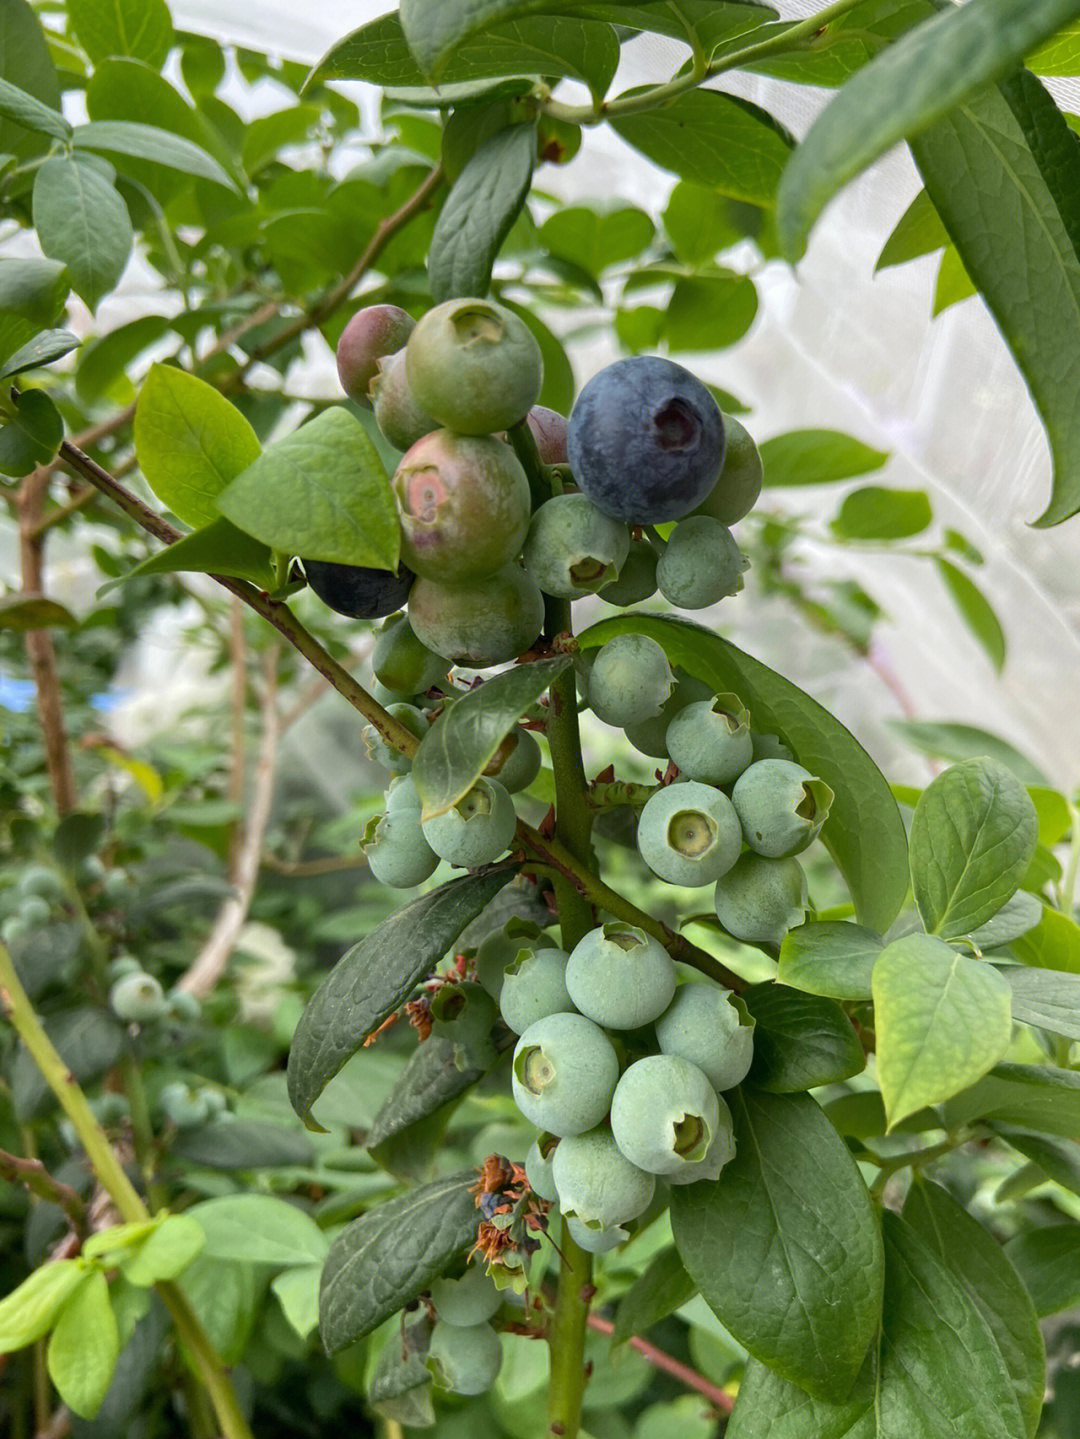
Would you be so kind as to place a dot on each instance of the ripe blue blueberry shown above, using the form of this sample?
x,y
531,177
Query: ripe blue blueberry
x,y
480,622
400,662
397,853
736,491
596,1183
477,829
760,899
701,564
710,740
620,976
464,1359
534,985
572,549
664,1114
538,1164
470,1299
356,591
689,833
475,366
710,1027
781,807
637,578
564,1074
646,440
630,680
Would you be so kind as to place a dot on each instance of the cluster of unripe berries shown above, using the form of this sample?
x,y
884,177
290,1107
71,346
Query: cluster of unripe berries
x,y
645,444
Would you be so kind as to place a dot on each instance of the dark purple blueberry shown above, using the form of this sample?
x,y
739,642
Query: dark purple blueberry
x,y
354,590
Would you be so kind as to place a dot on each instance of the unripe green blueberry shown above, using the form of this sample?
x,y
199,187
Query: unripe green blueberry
x,y
769,746
707,1025
620,976
710,740
216,1103
92,871
137,999
485,622
475,366
538,1163
721,1152
464,1358
759,899
630,680
572,549
465,1014
736,491
501,947
40,880
516,763
689,833
664,1114
534,985
595,1241
463,502
373,332
549,431
109,1109
35,911
397,413
470,1299
781,807
597,1183
701,565
401,794
477,829
183,1005
184,1106
637,578
397,853
14,929
650,736
400,662
414,720
564,1074
122,965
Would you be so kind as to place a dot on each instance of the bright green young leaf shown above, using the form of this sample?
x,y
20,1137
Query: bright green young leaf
x,y
876,513
190,442
118,1237
953,282
1021,914
595,239
1046,998
165,1253
942,1021
479,213
835,959
919,231
710,312
259,1229
141,28
25,61
388,1256
801,1040
30,1310
864,833
32,435
641,328
1048,1261
1053,943
453,753
817,457
904,90
1059,55
377,975
118,138
22,612
320,492
84,1346
219,548
82,221
664,1287
297,1292
42,350
28,113
1055,817
791,1205
972,837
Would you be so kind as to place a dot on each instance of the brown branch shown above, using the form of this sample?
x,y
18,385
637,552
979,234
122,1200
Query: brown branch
x,y
659,1360
33,1174
307,868
238,660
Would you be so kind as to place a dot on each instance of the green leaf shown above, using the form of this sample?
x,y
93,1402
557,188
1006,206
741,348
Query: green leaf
x,y
190,442
664,1287
1048,1261
710,312
217,549
25,61
919,231
374,977
388,1256
862,1115
597,239
877,513
267,135
165,1252
32,435
1046,998
85,1346
698,223
832,958
148,142
817,457
961,742
243,1144
320,492
791,1206
41,350
405,1133
976,611
142,28
1022,913
29,113
1056,1159
226,1297
801,1041
82,221
1030,1096
457,747
1059,55
24,612
904,90
401,1385
480,212
1004,173
972,837
31,297
717,140
89,1041
865,833
105,359
30,1310
942,1021
1054,943
259,1229
297,1292
953,282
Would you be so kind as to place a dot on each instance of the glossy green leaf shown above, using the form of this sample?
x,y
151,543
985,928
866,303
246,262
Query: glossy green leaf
x,y
698,223
791,1206
480,212
950,741
817,457
430,1080
1037,1097
710,312
164,1253
664,1287
29,113
22,612
1021,914
953,282
32,435
1046,998
43,349
1048,1261
384,1259
32,295
595,239
1059,55
320,492
25,61
801,1040
259,1229
190,442
30,1310
904,90
217,549
84,1346
141,28
975,609
1054,943
1056,1159
833,958
864,833
972,837
942,1021
377,975
713,139
82,222
919,231
455,750
119,138
877,513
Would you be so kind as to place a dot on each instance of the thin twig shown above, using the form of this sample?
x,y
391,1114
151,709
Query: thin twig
x,y
238,661
309,868
682,1372
33,1174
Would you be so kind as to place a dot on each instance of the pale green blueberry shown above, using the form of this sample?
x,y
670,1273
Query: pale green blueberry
x,y
414,720
736,491
721,1152
637,578
701,564
40,880
538,1164
650,736
397,853
664,1114
477,829
597,1184
464,1358
465,1014
689,834
629,681
572,549
400,662
14,929
402,795
595,1241
35,911
122,965
620,976
185,1107
781,807
183,1005
216,1103
710,740
534,985
516,762
564,1074
137,998
769,746
470,1299
759,899
707,1025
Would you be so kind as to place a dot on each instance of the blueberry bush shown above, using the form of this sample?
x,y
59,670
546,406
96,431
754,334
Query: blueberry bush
x,y
720,1088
